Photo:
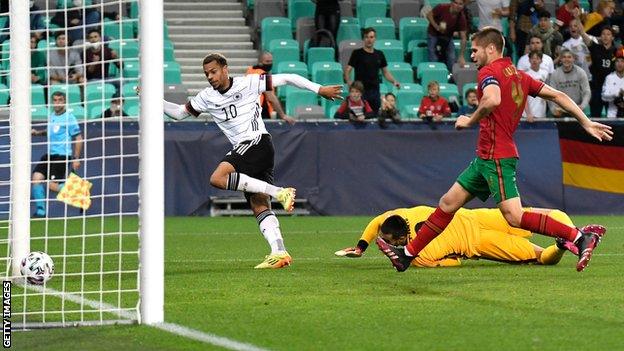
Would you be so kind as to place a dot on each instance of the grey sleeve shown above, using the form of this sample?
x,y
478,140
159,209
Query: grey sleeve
x,y
552,81
585,89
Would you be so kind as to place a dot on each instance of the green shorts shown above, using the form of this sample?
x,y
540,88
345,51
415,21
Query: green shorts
x,y
496,178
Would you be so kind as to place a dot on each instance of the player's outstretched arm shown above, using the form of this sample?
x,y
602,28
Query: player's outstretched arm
x,y
599,131
330,92
175,111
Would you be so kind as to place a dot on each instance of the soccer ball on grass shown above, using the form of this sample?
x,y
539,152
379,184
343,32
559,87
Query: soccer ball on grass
x,y
37,267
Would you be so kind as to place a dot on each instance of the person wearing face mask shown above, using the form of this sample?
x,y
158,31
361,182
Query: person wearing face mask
x,y
268,101
98,56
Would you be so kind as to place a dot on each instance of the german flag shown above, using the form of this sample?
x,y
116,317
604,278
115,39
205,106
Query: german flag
x,y
590,164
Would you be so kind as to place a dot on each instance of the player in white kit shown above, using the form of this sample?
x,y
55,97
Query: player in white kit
x,y
248,167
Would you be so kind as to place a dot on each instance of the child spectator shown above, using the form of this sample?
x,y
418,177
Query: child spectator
x,y
354,108
433,106
535,106
388,111
470,103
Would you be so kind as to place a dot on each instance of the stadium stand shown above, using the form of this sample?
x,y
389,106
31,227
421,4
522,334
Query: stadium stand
x,y
370,8
275,28
298,9
349,29
384,27
392,49
428,71
400,9
284,50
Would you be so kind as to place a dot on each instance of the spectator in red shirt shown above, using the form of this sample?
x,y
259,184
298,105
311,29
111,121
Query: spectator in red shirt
x,y
354,108
433,106
566,13
444,20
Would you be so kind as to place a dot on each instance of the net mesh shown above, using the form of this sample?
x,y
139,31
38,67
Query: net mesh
x,y
89,51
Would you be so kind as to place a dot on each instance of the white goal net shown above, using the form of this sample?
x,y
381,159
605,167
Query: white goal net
x,y
85,126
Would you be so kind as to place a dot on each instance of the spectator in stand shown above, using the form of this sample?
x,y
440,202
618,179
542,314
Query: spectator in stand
x,y
613,88
471,102
268,101
522,17
535,44
535,106
434,107
355,108
577,46
388,111
65,66
72,19
602,52
444,20
37,62
327,16
367,62
551,38
572,80
115,109
98,57
565,14
491,12
595,21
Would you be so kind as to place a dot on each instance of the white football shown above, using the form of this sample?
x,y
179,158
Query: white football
x,y
37,267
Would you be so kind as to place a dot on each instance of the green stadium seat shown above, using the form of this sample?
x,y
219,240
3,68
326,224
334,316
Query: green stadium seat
x,y
134,9
129,89
392,49
168,51
349,29
320,54
384,27
410,112
96,91
419,55
450,92
327,73
295,67
370,8
408,94
298,9
37,95
76,110
275,28
72,92
284,50
330,107
39,113
434,3
173,73
299,97
412,28
122,29
125,48
4,94
6,55
401,71
131,68
428,71
332,111
132,110
96,110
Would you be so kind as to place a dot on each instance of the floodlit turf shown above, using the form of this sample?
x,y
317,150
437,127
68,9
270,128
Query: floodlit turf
x,y
327,303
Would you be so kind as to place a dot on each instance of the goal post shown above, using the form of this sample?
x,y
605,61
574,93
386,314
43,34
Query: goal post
x,y
109,257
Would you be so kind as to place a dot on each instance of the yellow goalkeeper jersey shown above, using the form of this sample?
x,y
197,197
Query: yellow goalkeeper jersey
x,y
471,234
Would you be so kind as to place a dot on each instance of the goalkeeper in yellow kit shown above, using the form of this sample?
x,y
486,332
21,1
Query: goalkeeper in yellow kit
x,y
472,234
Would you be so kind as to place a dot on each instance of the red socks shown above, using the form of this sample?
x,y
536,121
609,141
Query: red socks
x,y
540,223
433,226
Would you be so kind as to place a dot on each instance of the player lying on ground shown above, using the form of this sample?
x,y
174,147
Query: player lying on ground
x,y
502,92
472,234
248,167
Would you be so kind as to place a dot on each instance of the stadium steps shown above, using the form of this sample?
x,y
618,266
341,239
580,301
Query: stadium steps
x,y
198,27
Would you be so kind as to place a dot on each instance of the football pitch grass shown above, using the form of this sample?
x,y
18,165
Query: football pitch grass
x,y
323,302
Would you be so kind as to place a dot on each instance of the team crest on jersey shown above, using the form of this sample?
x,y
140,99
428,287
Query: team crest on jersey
x,y
238,96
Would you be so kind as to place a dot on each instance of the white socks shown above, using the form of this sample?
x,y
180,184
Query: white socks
x,y
242,182
269,226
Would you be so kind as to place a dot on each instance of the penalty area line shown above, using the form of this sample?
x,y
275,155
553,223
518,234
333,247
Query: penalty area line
x,y
172,328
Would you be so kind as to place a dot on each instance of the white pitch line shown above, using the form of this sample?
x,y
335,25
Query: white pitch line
x,y
177,329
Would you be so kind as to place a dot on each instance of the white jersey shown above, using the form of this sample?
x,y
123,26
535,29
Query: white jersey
x,y
237,111
537,105
611,89
525,65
